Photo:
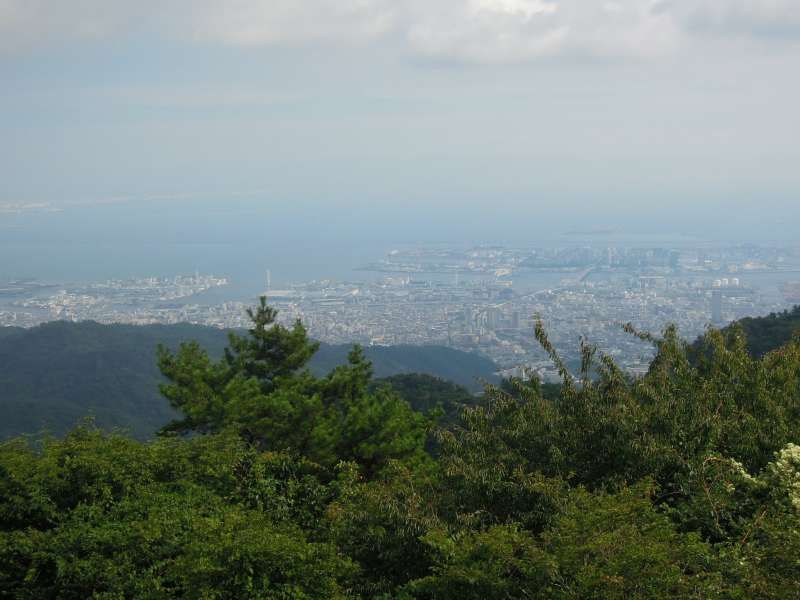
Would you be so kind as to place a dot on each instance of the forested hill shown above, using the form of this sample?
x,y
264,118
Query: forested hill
x,y
55,374
764,334
425,393
9,331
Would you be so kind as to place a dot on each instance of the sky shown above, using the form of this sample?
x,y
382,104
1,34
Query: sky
x,y
441,115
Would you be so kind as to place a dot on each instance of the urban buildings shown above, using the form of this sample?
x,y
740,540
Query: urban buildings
x,y
482,299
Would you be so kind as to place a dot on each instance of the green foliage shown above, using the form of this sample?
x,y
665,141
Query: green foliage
x,y
613,430
620,546
426,394
104,516
548,391
278,483
53,375
601,546
271,353
765,334
262,390
381,525
500,562
492,466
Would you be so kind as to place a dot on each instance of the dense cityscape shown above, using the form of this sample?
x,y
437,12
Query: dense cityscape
x,y
482,299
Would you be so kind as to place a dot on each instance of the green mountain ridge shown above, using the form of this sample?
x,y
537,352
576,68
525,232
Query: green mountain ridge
x,y
761,334
772,331
53,375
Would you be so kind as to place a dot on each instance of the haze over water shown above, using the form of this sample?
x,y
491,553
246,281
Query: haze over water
x,y
241,239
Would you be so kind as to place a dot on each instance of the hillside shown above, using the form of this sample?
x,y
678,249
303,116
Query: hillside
x,y
53,375
10,331
765,334
426,392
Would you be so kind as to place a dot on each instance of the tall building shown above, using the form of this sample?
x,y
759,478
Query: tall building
x,y
716,306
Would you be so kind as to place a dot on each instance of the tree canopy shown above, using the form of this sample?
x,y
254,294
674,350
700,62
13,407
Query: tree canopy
x,y
276,483
53,375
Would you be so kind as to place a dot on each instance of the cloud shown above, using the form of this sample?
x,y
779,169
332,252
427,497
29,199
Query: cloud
x,y
520,30
485,31
254,22
758,18
26,24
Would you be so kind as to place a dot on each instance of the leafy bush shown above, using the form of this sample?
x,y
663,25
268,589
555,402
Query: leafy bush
x,y
276,483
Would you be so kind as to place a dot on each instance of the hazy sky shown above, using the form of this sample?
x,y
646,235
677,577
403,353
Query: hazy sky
x,y
616,111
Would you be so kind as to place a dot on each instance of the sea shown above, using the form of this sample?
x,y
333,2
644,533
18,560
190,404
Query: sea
x,y
243,240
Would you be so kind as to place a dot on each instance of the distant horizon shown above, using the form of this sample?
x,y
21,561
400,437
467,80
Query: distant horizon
x,y
482,119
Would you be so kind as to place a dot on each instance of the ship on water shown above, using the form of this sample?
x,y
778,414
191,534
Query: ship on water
x,y
791,291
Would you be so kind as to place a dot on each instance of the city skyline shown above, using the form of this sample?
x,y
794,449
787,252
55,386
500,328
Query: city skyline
x,y
482,299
